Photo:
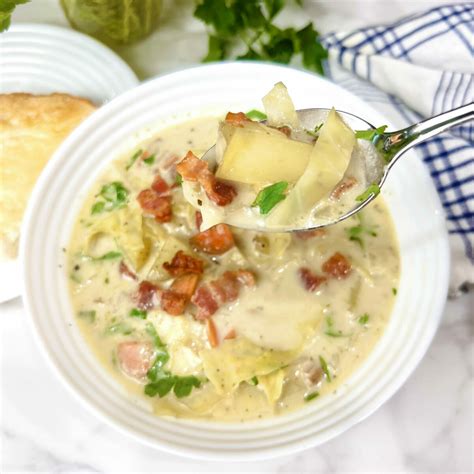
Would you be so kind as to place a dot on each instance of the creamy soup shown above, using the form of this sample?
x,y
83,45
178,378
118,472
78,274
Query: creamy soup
x,y
224,324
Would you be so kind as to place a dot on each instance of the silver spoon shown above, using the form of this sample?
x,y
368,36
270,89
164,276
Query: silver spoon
x,y
389,147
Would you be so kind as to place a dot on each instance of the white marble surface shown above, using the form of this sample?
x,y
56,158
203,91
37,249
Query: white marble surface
x,y
426,427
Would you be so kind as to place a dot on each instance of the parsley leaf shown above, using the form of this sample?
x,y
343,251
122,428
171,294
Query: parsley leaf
x,y
315,133
216,49
325,368
253,380
270,196
313,51
370,134
161,387
137,313
134,158
184,385
179,179
149,160
6,10
363,319
372,189
356,233
108,256
114,195
394,291
119,328
89,316
256,115
311,396
331,332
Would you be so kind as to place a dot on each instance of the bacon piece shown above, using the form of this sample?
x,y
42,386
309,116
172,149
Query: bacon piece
x,y
212,333
309,234
338,266
160,186
343,186
146,295
209,297
191,168
135,358
198,217
215,241
285,130
238,119
309,279
182,263
231,334
126,272
175,299
157,206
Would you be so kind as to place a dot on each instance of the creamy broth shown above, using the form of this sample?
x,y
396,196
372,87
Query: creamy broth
x,y
303,338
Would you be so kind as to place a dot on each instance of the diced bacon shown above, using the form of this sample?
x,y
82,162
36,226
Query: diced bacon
x,y
231,334
238,119
209,297
182,263
135,358
309,234
285,130
338,266
155,205
198,218
146,295
191,168
310,280
126,272
343,186
212,333
215,241
160,186
175,299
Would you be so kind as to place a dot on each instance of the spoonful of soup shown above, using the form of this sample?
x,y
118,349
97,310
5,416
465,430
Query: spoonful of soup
x,y
297,169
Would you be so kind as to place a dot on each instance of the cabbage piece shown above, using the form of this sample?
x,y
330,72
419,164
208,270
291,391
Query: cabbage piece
x,y
326,167
272,384
279,107
237,360
259,155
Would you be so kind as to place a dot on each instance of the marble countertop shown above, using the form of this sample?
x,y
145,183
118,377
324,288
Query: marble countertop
x,y
426,427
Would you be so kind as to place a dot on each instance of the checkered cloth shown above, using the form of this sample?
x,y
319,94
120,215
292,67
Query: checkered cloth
x,y
386,65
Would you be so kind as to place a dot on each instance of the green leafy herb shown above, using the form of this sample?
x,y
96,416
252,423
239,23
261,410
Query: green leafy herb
x,y
108,256
253,380
356,233
256,115
119,328
184,385
331,331
363,319
315,132
311,396
149,160
134,158
113,195
234,24
162,355
89,316
372,189
137,313
394,291
325,368
161,387
6,10
178,179
371,134
270,196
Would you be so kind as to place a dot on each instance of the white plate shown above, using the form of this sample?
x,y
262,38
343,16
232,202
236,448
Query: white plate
x,y
42,59
172,98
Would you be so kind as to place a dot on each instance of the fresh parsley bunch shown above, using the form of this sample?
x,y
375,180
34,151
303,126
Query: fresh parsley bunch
x,y
249,23
6,10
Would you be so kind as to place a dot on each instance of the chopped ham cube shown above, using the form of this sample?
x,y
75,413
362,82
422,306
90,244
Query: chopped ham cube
x,y
191,168
182,263
146,295
175,299
215,241
338,266
209,297
135,358
310,280
155,205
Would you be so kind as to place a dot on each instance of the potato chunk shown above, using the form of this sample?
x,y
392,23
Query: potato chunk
x,y
279,107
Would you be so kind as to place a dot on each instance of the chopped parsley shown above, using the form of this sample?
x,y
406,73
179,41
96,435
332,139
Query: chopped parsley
x,y
256,115
179,179
315,132
149,160
394,291
372,189
6,10
108,256
363,319
112,196
270,196
253,380
119,328
331,331
134,158
371,134
357,232
137,313
88,316
311,396
325,368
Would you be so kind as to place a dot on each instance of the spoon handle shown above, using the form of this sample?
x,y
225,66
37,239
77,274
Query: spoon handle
x,y
393,144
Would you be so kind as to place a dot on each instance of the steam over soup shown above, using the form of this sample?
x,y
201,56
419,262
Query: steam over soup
x,y
222,323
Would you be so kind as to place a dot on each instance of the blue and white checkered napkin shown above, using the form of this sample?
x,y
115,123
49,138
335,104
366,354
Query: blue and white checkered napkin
x,y
386,65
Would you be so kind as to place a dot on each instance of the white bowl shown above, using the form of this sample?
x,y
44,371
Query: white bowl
x,y
42,59
409,192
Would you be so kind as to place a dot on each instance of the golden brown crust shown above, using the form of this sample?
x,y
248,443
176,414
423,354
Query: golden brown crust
x,y
31,128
